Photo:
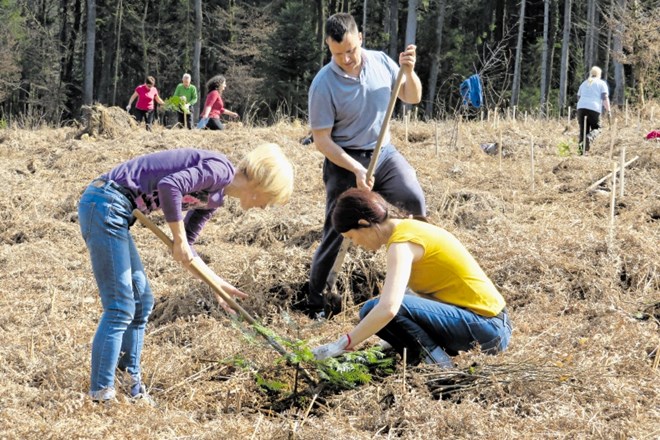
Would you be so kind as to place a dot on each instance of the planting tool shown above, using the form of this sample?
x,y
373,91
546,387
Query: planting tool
x,y
206,275
339,260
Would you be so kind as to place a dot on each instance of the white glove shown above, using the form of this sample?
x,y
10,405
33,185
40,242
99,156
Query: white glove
x,y
187,107
128,108
332,349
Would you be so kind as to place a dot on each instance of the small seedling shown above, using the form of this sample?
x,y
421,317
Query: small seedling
x,y
564,148
177,104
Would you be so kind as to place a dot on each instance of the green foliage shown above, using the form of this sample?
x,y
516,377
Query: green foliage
x,y
355,368
274,386
564,148
344,372
3,124
176,104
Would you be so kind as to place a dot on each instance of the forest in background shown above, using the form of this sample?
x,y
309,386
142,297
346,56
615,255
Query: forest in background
x,y
58,55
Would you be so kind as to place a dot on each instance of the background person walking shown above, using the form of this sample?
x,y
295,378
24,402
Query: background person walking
x,y
593,97
214,106
146,94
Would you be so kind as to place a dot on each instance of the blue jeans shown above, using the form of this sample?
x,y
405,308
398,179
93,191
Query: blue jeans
x,y
428,327
105,216
396,181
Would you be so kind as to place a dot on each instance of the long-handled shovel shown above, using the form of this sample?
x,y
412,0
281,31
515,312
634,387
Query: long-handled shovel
x,y
196,269
339,260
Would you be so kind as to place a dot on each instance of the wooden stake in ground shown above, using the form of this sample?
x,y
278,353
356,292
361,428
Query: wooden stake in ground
x,y
437,137
599,181
622,171
584,137
501,147
613,198
532,163
612,131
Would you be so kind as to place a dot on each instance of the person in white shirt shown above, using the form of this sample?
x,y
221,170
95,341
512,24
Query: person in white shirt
x,y
593,97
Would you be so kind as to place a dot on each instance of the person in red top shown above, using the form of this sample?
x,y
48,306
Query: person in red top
x,y
214,107
145,94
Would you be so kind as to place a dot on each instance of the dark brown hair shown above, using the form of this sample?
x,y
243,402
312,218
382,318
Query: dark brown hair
x,y
215,83
356,204
150,80
338,25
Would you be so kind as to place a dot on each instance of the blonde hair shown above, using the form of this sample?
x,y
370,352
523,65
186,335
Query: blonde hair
x,y
270,170
595,72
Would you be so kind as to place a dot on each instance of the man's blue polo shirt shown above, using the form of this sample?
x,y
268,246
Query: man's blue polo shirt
x,y
353,107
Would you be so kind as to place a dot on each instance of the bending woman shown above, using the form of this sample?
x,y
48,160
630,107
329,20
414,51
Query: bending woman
x,y
456,307
177,180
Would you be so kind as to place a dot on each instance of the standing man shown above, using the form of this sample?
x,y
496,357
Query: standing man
x,y
188,94
348,100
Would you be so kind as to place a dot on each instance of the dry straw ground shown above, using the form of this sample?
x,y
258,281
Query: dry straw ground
x,y
583,294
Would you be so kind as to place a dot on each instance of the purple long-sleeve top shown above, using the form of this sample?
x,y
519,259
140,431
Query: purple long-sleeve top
x,y
179,180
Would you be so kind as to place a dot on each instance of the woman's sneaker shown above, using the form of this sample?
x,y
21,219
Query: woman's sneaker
x,y
105,396
136,388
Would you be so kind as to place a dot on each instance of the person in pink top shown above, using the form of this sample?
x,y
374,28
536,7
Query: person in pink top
x,y
214,107
145,94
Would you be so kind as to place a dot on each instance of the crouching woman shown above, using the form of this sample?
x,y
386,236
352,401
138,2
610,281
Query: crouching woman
x,y
455,306
196,181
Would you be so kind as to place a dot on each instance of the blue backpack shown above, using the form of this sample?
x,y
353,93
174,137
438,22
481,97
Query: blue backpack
x,y
471,91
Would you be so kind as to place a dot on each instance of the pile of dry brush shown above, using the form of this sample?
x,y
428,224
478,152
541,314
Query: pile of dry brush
x,y
582,291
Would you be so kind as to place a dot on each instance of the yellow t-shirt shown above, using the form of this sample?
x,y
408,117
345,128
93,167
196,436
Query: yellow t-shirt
x,y
447,271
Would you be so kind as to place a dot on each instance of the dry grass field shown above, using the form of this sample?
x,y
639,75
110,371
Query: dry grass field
x,y
583,292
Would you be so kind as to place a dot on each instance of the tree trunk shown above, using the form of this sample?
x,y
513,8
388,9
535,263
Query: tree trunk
x,y
608,48
563,74
320,29
435,58
197,52
590,55
394,29
105,50
364,24
145,47
500,27
619,77
90,40
115,78
544,56
552,39
68,34
515,90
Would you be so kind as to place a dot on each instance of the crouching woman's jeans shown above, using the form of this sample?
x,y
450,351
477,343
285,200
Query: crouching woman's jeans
x,y
105,216
434,331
